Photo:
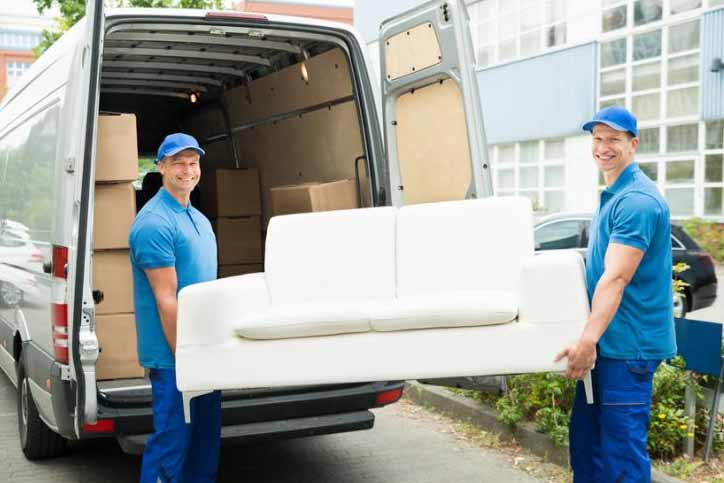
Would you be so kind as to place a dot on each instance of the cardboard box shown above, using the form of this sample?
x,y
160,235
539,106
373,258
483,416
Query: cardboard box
x,y
233,270
119,354
117,148
113,276
304,198
230,192
238,240
113,214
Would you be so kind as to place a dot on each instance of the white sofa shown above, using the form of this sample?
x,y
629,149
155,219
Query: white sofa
x,y
424,291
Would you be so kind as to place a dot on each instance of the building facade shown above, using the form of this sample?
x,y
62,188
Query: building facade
x,y
546,66
20,32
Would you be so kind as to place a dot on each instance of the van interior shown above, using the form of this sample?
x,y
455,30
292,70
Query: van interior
x,y
282,103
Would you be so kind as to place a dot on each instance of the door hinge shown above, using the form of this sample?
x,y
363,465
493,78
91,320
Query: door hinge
x,y
70,164
64,372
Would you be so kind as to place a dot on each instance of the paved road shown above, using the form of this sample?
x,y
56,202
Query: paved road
x,y
405,446
715,313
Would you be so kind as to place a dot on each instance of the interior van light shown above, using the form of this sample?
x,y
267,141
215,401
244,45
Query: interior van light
x,y
193,97
303,66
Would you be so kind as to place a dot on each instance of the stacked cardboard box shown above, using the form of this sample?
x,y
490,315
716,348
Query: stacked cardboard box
x,y
308,197
113,214
231,199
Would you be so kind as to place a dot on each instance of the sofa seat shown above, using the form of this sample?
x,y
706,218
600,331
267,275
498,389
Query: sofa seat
x,y
305,320
445,310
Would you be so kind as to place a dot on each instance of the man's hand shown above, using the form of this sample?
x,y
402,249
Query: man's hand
x,y
581,358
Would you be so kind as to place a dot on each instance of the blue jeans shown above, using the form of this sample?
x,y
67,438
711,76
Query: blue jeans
x,y
608,438
178,452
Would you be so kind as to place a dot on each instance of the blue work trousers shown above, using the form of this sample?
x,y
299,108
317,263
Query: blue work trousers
x,y
608,438
178,452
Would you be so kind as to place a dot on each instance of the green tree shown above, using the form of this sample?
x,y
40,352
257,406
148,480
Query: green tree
x,y
73,10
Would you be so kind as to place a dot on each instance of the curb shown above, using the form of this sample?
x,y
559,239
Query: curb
x,y
462,408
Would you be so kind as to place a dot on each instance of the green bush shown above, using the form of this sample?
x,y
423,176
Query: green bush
x,y
708,234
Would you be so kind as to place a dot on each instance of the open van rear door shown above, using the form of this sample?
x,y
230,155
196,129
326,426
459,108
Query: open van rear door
x,y
434,131
83,343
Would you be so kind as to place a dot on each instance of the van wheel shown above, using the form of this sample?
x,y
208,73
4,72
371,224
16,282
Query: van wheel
x,y
37,440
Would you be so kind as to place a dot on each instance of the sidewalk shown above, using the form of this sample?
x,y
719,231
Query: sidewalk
x,y
465,409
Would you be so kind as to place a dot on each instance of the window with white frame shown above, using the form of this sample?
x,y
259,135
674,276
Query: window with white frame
x,y
534,169
14,70
18,40
649,63
505,30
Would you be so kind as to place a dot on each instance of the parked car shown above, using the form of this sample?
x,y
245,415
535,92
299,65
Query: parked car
x,y
569,231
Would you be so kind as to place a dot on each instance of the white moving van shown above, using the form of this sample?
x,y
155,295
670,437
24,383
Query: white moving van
x,y
293,98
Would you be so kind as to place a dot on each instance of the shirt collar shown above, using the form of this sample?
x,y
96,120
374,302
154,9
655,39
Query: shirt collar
x,y
172,202
624,178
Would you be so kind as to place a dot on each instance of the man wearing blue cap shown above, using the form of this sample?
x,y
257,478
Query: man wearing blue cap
x,y
631,327
172,246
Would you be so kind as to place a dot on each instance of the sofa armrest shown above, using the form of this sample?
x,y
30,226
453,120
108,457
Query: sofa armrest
x,y
552,288
209,312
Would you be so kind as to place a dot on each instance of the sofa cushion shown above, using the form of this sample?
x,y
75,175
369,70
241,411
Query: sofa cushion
x,y
444,310
304,320
334,255
463,246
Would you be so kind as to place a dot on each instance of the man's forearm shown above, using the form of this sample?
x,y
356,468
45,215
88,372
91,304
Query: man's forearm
x,y
167,311
606,299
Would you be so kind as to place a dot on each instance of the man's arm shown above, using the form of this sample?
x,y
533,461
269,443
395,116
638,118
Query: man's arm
x,y
620,264
164,284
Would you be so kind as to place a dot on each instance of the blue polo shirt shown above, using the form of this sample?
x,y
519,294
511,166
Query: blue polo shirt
x,y
632,212
166,234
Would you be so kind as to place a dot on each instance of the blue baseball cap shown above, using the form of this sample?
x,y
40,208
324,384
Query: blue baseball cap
x,y
175,143
614,117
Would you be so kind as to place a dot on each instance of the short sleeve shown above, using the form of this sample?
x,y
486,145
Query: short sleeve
x,y
634,220
152,243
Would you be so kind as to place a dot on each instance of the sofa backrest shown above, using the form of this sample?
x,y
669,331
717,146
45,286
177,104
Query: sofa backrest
x,y
463,245
333,255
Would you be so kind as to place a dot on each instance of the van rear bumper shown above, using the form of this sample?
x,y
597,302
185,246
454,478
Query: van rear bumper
x,y
290,428
268,415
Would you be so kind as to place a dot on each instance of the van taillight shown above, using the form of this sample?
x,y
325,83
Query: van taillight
x,y
58,305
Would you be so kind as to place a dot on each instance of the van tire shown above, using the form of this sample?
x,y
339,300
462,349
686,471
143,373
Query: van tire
x,y
37,440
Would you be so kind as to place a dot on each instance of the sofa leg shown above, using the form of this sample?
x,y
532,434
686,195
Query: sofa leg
x,y
588,386
187,396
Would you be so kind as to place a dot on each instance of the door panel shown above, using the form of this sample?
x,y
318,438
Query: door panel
x,y
433,120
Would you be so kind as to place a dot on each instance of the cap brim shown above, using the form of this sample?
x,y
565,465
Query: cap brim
x,y
591,124
178,150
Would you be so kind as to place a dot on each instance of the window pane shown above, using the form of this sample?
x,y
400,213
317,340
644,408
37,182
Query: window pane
x,y
682,138
619,101
646,11
647,45
613,82
713,201
648,141
614,18
555,149
556,35
530,43
507,26
715,2
506,153
533,196
684,69
529,152
506,50
715,134
646,107
650,170
678,172
613,53
554,201
683,102
714,168
554,176
647,76
531,17
485,33
683,37
679,6
506,178
558,236
485,56
529,177
555,11
681,201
